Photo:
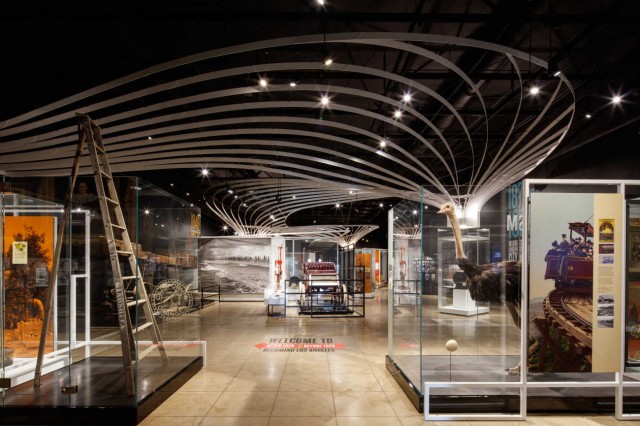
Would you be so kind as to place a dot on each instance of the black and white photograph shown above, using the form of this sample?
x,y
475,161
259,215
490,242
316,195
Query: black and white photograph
x,y
238,265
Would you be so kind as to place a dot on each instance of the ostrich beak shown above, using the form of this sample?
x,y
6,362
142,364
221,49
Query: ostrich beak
x,y
442,211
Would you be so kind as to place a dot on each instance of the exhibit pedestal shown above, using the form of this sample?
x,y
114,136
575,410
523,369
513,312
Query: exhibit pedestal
x,y
463,304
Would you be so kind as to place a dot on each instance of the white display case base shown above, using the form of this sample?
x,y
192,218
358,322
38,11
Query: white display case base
x,y
463,304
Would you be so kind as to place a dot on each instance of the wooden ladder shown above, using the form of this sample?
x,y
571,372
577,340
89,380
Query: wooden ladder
x,y
131,294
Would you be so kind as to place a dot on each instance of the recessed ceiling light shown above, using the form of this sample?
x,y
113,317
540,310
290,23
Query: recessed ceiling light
x,y
534,90
263,82
406,97
616,99
328,61
587,115
397,114
324,100
383,143
293,84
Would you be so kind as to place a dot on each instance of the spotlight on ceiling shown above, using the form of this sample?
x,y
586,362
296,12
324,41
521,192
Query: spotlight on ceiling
x,y
320,2
534,90
324,100
587,115
406,98
263,82
293,84
383,143
205,172
397,114
328,61
616,99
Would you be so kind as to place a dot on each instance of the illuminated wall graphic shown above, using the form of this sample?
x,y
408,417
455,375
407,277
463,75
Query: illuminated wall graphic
x,y
574,285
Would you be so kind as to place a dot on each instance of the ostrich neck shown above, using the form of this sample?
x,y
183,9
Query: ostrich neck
x,y
457,235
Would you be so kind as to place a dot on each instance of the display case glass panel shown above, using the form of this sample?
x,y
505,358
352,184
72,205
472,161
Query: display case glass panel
x,y
84,338
570,342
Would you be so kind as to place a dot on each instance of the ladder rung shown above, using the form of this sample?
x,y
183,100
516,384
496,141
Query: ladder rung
x,y
100,149
124,253
115,225
146,352
131,277
141,327
136,302
105,174
114,202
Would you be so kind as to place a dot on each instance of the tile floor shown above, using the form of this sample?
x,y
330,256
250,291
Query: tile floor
x,y
244,384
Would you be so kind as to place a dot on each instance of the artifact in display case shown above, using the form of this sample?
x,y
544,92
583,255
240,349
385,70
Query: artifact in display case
x,y
454,289
486,282
322,292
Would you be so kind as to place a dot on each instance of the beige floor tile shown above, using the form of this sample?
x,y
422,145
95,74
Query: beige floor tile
x,y
229,366
187,404
401,405
301,365
350,382
302,382
368,421
349,366
265,361
302,421
419,421
206,380
235,421
171,421
250,381
243,404
304,404
362,404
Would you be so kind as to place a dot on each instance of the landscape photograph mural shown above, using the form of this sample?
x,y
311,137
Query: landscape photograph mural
x,y
238,265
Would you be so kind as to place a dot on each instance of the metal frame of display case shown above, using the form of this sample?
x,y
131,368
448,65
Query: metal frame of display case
x,y
22,370
621,379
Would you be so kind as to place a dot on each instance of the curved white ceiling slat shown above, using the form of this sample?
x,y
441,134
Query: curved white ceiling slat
x,y
218,117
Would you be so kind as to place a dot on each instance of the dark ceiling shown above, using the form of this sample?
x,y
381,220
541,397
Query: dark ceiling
x,y
54,50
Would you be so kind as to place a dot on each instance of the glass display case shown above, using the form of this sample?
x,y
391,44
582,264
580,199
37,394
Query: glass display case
x,y
566,341
83,340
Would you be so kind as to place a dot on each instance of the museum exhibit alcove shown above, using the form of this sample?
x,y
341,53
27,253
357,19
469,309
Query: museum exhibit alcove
x,y
82,372
570,345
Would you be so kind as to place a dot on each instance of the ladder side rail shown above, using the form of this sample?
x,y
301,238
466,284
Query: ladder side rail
x,y
53,277
140,293
124,320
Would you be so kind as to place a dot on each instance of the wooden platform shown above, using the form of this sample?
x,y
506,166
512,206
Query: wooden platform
x,y
101,398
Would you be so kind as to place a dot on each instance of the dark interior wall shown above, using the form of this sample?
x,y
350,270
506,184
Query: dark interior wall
x,y
614,156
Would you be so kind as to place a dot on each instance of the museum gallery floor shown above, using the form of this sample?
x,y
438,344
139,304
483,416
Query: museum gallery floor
x,y
259,372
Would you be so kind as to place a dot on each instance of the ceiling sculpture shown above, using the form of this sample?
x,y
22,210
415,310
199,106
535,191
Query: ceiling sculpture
x,y
306,132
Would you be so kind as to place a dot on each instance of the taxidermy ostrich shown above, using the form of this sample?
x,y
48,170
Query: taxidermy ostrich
x,y
493,282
